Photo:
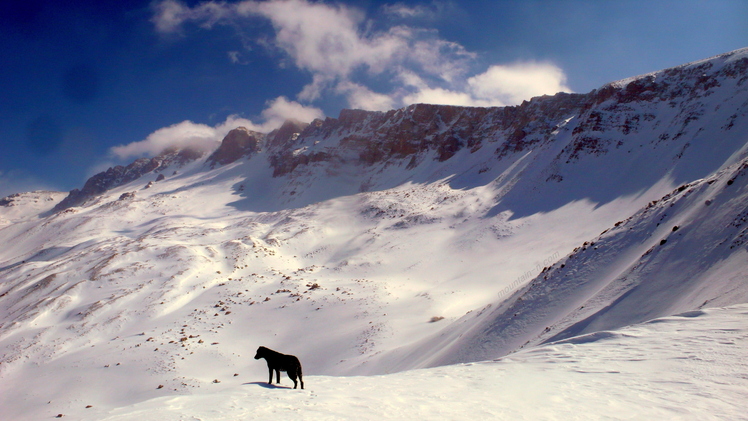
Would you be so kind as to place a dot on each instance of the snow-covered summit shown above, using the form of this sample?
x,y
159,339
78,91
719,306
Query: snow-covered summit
x,y
660,116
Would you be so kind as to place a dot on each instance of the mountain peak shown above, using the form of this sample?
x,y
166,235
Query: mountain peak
x,y
602,121
287,132
119,175
238,143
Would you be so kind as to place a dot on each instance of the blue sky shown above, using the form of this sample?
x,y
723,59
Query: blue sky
x,y
89,84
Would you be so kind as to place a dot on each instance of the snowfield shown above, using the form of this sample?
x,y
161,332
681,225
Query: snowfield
x,y
595,272
690,366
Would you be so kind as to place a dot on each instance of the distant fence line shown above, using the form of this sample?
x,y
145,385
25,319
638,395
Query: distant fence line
x,y
529,274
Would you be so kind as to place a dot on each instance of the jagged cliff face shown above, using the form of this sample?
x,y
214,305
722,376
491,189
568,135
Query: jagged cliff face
x,y
660,114
237,144
413,132
668,103
119,175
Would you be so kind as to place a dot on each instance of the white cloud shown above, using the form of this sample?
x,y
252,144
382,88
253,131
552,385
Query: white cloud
x,y
361,97
236,57
205,138
313,91
181,135
281,109
510,84
320,37
323,38
500,85
402,11
443,97
436,9
337,47
447,60
170,15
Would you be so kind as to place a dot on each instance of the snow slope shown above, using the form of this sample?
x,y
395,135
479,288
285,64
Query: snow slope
x,y
152,296
683,252
688,366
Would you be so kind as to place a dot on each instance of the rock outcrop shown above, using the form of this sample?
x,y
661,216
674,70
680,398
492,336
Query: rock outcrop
x,y
288,132
239,142
666,103
119,175
603,118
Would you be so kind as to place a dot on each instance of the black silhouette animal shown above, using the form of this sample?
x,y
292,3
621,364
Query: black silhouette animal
x,y
280,362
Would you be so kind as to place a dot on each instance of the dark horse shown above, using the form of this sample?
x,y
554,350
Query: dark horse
x,y
280,362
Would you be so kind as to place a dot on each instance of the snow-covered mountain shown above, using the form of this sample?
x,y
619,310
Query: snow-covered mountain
x,y
381,242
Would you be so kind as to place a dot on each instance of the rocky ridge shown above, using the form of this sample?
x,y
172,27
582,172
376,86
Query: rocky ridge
x,y
119,175
668,101
239,142
412,132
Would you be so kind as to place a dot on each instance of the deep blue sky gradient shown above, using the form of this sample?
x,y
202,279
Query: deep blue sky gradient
x,y
78,77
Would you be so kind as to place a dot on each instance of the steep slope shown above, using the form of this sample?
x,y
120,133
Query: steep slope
x,y
684,252
237,144
679,124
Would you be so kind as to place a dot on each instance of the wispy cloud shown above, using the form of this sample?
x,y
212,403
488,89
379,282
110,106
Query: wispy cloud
x,y
499,85
281,109
337,47
171,14
430,11
205,138
236,57
181,135
12,182
401,10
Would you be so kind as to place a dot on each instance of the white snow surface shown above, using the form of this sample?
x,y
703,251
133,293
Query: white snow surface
x,y
551,283
688,366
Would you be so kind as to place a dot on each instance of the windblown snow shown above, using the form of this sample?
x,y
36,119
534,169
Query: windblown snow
x,y
583,262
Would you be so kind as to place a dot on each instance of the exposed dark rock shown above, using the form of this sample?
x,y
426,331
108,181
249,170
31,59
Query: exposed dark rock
x,y
288,132
439,132
127,195
414,131
238,143
8,200
119,175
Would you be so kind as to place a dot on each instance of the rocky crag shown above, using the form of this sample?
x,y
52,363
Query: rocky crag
x,y
661,111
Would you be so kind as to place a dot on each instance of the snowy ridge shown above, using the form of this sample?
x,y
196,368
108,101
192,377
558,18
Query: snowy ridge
x,y
23,206
383,242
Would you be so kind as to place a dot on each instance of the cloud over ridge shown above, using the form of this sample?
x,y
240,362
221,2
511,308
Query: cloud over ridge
x,y
337,46
205,138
